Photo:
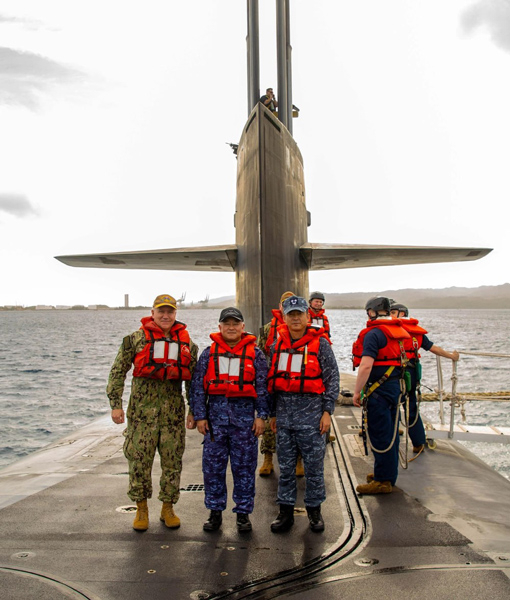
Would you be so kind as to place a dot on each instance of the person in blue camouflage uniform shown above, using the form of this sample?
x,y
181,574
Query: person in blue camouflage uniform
x,y
268,439
230,428
301,422
155,416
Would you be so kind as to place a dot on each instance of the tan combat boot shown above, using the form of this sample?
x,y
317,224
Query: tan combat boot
x,y
300,469
375,487
267,468
169,517
141,522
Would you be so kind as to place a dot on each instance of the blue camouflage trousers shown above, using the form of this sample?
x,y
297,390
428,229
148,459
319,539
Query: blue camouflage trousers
x,y
240,444
312,446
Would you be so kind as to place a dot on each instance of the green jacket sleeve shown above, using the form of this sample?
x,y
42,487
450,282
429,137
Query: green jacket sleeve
x,y
120,368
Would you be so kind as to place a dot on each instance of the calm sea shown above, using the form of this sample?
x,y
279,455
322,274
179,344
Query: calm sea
x,y
54,366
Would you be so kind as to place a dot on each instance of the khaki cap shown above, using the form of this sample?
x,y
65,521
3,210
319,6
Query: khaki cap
x,y
165,300
286,295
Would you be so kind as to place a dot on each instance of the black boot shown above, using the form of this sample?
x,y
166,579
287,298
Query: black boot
x,y
315,518
243,522
213,523
284,520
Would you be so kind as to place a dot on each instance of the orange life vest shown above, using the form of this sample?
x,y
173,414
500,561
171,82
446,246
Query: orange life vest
x,y
231,371
276,321
164,357
394,351
416,332
295,365
319,319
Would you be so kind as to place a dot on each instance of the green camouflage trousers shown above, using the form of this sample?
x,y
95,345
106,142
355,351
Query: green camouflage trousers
x,y
155,422
142,440
268,440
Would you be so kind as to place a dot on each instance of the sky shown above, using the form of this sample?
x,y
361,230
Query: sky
x,y
115,118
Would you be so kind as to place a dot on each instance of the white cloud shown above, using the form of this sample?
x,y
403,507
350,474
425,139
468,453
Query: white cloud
x,y
17,205
494,15
24,75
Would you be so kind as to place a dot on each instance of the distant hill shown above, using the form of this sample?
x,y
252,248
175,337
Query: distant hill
x,y
497,296
453,297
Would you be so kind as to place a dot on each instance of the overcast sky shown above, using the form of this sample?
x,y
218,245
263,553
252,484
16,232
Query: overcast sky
x,y
114,118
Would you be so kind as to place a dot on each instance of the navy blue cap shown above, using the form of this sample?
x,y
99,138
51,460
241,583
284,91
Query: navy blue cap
x,y
231,312
294,303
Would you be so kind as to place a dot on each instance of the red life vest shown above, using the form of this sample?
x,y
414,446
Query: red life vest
x,y
231,371
295,365
416,332
276,321
393,352
319,319
164,357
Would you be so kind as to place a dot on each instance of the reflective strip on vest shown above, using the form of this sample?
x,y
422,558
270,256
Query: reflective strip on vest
x,y
296,360
159,349
317,323
229,366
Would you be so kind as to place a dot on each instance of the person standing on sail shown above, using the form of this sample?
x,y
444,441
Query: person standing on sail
x,y
269,100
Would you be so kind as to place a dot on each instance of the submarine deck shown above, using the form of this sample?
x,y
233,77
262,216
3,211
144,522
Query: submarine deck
x,y
66,529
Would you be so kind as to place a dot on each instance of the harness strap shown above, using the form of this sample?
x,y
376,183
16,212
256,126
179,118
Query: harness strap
x,y
241,370
378,383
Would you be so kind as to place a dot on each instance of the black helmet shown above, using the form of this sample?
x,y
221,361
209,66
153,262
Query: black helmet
x,y
378,303
400,307
318,296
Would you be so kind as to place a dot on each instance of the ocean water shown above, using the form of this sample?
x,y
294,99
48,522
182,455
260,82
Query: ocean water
x,y
54,366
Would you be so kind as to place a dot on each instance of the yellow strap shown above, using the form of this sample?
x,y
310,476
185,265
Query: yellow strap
x,y
375,385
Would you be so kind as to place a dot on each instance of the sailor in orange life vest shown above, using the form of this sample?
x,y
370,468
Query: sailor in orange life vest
x,y
163,356
267,337
379,353
317,314
418,340
305,382
228,388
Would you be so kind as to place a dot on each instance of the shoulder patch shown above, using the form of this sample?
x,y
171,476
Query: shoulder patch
x,y
127,343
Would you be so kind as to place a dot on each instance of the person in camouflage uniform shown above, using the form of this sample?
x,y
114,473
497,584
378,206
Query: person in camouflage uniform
x,y
305,381
229,401
267,337
156,410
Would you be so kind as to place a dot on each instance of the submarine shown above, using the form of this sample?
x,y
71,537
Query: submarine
x,y
444,532
272,253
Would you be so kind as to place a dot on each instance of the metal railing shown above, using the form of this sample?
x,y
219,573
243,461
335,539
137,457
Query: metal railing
x,y
457,400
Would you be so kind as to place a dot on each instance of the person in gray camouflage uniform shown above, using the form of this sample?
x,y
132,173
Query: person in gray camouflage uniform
x,y
163,356
305,381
